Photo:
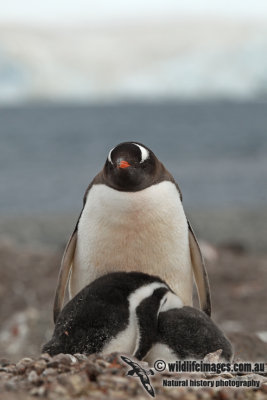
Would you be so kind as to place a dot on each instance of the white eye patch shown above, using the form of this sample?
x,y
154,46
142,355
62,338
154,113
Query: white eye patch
x,y
169,302
109,155
144,152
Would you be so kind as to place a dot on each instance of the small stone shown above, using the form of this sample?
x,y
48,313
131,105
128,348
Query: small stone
x,y
10,369
80,357
53,364
260,396
213,357
40,366
46,357
25,360
120,395
225,394
113,382
111,357
49,372
40,391
4,376
76,384
23,364
57,391
64,369
33,377
226,375
66,359
4,362
96,394
11,384
92,370
204,395
103,363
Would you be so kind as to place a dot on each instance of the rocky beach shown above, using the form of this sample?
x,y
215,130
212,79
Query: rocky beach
x,y
68,377
28,277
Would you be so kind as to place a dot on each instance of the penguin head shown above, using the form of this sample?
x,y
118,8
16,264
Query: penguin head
x,y
131,166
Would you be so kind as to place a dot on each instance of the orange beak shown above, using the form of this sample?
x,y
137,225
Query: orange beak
x,y
123,164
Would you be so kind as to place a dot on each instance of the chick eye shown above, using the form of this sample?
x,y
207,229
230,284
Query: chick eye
x,y
109,155
144,152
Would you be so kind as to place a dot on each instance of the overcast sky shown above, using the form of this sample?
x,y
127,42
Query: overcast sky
x,y
77,11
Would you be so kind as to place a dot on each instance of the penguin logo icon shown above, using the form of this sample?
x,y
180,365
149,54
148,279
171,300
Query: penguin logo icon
x,y
141,373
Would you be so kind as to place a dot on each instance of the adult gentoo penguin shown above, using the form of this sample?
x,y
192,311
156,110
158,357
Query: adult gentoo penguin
x,y
133,218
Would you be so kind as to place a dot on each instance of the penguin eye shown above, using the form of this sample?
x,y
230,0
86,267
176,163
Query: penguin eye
x,y
144,152
109,155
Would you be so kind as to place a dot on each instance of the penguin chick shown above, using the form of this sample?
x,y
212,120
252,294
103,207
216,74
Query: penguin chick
x,y
117,312
187,333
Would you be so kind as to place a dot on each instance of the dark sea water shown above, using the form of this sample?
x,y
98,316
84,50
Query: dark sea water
x,y
217,151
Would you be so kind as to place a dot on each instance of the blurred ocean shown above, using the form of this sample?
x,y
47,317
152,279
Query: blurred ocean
x,y
217,152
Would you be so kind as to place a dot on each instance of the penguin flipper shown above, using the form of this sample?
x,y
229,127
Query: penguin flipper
x,y
200,273
64,273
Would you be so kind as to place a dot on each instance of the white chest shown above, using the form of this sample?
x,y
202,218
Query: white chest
x,y
141,231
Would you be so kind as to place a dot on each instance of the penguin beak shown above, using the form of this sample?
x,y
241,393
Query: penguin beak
x,y
123,164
